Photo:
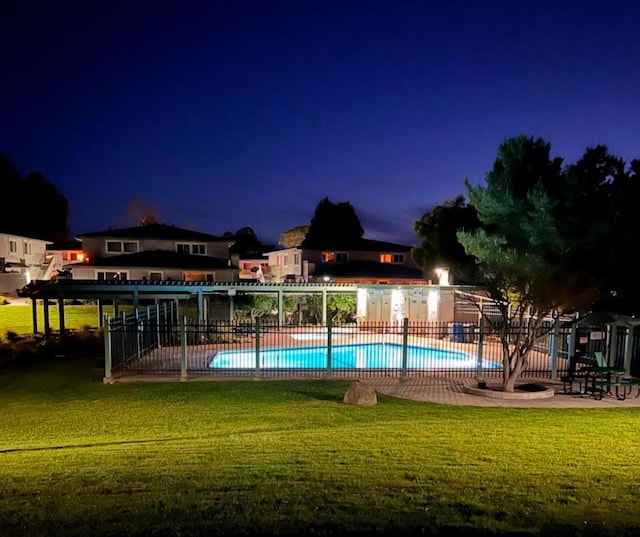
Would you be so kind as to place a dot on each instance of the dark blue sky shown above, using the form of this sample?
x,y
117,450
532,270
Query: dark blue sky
x,y
242,113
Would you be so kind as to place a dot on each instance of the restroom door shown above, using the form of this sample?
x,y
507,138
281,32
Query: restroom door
x,y
385,308
373,309
418,308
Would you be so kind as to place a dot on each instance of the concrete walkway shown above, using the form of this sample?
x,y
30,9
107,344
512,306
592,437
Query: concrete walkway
x,y
450,392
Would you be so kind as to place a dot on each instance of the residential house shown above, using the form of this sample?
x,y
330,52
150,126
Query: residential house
x,y
362,261
22,259
155,252
61,253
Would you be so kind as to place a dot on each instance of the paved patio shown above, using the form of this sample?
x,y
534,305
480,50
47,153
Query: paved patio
x,y
450,392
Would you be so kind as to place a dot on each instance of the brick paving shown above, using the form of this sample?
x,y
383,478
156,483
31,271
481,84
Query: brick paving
x,y
450,392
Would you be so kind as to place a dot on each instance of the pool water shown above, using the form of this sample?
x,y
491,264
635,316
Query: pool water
x,y
355,356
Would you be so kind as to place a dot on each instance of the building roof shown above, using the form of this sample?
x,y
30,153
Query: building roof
x,y
366,269
163,259
10,234
72,244
154,231
360,245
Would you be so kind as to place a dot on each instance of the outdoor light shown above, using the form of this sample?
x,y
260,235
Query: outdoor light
x,y
326,278
443,275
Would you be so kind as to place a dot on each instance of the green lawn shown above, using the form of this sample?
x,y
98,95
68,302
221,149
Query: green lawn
x,y
78,457
19,319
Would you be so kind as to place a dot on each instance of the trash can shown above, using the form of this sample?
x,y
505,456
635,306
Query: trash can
x,y
468,331
457,332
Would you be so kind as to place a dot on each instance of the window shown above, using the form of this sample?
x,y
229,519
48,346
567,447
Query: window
x,y
398,258
13,247
296,259
286,261
385,258
189,248
106,275
155,276
328,256
118,247
73,256
27,248
342,257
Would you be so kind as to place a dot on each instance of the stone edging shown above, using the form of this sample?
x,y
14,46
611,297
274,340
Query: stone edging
x,y
494,392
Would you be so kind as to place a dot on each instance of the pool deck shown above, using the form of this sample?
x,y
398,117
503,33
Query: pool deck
x,y
436,388
447,391
450,392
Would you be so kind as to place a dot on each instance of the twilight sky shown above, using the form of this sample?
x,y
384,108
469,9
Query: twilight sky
x,y
248,113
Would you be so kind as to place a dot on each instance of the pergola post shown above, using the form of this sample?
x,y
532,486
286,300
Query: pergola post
x,y
280,309
324,306
200,307
47,328
34,314
100,313
61,314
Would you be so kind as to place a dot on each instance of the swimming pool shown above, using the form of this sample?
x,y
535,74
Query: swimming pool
x,y
354,356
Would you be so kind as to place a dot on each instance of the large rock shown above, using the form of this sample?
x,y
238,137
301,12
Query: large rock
x,y
361,394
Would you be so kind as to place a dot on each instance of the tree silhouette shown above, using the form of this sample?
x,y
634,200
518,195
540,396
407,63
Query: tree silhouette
x,y
35,208
334,225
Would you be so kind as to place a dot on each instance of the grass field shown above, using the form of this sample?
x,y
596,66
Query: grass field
x,y
18,318
78,457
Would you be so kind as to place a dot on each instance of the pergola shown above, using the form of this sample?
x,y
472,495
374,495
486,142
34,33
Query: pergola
x,y
117,291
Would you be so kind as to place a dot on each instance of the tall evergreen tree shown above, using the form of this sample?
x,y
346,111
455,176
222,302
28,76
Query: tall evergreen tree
x,y
334,225
538,227
34,206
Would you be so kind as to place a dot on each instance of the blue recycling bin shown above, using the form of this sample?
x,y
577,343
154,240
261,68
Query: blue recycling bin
x,y
457,333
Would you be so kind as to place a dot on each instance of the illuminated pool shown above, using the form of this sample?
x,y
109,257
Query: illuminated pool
x,y
355,356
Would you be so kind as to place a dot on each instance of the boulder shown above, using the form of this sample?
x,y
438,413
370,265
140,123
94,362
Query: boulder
x,y
360,393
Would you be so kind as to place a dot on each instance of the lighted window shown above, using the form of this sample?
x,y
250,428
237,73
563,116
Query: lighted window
x,y
328,256
107,275
385,258
73,256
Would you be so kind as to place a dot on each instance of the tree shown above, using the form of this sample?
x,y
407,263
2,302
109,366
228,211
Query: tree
x,y
257,305
247,244
534,236
141,212
439,245
36,208
334,225
293,237
341,306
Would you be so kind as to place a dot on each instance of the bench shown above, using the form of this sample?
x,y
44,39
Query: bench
x,y
628,385
606,386
577,375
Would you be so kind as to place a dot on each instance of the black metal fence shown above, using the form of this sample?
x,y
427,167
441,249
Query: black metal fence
x,y
155,342
132,337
